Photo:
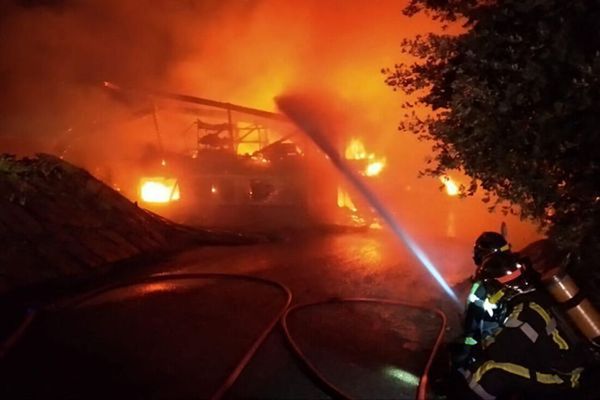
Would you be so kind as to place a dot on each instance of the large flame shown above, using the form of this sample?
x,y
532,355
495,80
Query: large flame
x,y
159,190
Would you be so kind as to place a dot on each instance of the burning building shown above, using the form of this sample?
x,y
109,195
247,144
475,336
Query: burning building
x,y
241,167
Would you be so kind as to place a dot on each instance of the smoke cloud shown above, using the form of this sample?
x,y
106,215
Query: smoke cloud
x,y
55,54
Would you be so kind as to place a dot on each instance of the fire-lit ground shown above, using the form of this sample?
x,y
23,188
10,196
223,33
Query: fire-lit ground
x,y
320,266
173,341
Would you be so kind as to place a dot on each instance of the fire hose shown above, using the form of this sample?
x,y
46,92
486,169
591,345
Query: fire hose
x,y
18,332
281,316
330,387
247,357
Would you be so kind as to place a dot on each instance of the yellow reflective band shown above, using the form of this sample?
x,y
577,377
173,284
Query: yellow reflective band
x,y
515,369
508,367
575,375
562,344
556,337
537,308
548,379
515,312
506,247
496,297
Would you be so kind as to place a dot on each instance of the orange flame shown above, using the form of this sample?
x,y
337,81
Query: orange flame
x,y
159,190
452,188
344,200
356,151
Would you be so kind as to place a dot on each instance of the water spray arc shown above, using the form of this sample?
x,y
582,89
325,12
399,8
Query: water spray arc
x,y
305,118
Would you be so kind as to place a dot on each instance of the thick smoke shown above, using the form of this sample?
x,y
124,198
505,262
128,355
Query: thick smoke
x,y
54,56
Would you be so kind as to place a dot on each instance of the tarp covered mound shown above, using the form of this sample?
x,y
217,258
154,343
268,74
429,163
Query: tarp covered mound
x,y
58,221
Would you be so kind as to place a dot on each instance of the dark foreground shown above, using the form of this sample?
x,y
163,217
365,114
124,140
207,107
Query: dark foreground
x,y
182,338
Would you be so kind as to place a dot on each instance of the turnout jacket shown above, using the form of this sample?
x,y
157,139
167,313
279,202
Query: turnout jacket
x,y
529,354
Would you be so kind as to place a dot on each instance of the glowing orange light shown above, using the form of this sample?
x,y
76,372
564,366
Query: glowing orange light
x,y
110,85
344,200
158,287
376,225
451,186
163,162
355,150
213,189
374,168
159,190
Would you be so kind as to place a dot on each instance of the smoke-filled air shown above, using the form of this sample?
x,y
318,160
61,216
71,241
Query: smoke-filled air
x,y
76,79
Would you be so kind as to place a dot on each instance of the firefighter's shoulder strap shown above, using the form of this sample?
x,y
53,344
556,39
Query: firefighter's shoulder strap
x,y
528,326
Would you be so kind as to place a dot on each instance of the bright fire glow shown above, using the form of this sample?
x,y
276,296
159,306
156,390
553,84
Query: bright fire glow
x,y
305,119
157,287
451,186
356,151
247,148
159,190
251,138
344,200
374,168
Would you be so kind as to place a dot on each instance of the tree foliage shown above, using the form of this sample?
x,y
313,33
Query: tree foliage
x,y
516,105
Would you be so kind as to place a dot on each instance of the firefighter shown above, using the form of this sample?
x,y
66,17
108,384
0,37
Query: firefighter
x,y
482,315
529,354
479,318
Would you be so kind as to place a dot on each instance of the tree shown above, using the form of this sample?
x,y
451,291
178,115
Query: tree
x,y
515,100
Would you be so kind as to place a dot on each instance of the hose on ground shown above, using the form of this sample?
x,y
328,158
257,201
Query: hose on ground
x,y
11,340
282,317
330,387
249,354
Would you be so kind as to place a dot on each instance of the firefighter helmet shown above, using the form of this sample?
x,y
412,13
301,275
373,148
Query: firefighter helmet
x,y
506,271
489,243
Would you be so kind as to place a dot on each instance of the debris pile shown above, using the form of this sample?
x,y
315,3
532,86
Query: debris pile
x,y
58,221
